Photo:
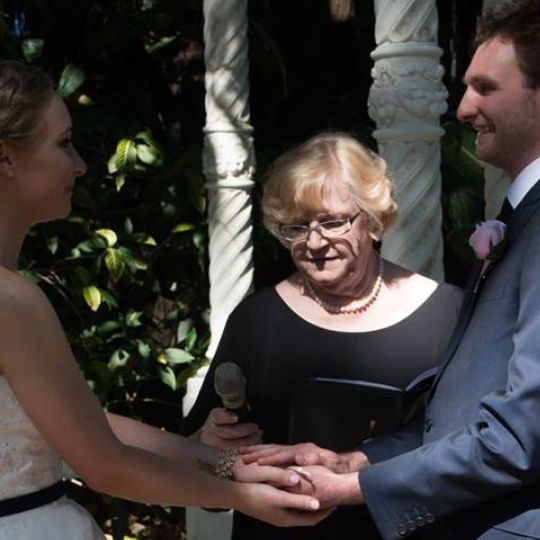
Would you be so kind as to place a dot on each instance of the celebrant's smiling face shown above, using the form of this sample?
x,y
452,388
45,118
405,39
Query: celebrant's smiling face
x,y
333,263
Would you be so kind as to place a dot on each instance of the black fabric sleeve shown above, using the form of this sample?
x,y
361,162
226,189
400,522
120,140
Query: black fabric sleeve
x,y
227,351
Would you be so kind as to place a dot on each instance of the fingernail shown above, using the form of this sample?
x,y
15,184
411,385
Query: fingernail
x,y
314,504
294,479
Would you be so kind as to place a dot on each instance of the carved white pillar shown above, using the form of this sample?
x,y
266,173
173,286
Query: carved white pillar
x,y
228,158
406,100
228,163
496,181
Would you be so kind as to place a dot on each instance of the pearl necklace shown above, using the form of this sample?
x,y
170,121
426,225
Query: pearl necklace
x,y
358,308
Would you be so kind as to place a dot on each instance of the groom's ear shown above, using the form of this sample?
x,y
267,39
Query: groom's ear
x,y
7,168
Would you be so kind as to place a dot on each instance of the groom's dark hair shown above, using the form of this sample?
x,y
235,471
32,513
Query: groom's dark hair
x,y
519,23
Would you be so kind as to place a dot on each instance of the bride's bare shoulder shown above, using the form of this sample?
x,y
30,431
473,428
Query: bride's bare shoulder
x,y
18,296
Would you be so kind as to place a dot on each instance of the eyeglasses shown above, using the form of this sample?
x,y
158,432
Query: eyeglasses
x,y
295,232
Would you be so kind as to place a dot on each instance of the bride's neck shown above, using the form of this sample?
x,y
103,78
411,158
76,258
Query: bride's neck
x,y
11,241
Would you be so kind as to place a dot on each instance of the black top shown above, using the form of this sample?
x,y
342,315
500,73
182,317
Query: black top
x,y
275,347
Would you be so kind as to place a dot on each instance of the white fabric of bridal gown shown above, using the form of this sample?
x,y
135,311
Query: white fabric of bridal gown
x,y
28,463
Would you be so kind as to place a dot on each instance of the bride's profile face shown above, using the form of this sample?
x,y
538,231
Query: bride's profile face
x,y
46,166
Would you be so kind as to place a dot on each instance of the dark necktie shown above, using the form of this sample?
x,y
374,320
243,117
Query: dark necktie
x,y
506,211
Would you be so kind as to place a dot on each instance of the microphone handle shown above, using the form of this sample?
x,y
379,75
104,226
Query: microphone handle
x,y
243,413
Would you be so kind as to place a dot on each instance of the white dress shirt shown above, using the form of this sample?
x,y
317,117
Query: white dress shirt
x,y
523,183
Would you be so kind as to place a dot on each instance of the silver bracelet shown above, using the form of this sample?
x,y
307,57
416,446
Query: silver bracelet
x,y
225,463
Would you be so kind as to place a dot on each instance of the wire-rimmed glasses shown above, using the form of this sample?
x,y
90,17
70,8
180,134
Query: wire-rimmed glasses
x,y
297,232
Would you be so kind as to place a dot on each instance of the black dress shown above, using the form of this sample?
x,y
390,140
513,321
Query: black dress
x,y
276,348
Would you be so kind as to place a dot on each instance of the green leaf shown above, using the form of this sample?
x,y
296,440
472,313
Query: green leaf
x,y
126,155
128,226
176,356
149,154
198,240
32,49
120,180
183,227
85,101
166,374
114,264
143,348
29,276
146,239
133,319
92,296
109,235
111,164
71,79
109,299
183,328
82,275
191,339
163,42
118,359
108,327
52,244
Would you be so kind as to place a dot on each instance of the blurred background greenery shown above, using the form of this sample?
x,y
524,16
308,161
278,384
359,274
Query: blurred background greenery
x,y
127,271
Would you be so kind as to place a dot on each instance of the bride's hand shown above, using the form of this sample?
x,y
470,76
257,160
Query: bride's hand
x,y
263,473
280,508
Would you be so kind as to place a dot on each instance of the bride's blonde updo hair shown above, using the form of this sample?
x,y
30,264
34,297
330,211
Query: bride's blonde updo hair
x,y
24,92
297,180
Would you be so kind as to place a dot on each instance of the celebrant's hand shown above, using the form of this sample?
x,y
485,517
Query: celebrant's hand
x,y
303,454
222,430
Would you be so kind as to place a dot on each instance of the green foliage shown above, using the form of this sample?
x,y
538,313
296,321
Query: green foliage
x,y
462,196
127,270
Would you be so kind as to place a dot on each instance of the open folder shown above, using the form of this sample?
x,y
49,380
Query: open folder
x,y
340,413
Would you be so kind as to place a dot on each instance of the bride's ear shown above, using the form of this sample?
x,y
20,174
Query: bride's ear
x,y
6,164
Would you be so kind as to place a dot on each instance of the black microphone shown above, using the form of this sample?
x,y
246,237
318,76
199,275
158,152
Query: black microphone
x,y
230,386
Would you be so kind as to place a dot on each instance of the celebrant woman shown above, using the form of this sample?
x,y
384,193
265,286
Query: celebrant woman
x,y
345,313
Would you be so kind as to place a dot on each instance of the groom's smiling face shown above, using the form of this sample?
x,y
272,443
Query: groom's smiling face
x,y
502,107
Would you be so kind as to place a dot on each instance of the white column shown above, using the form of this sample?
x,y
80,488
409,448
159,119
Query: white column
x,y
496,181
228,163
228,158
406,100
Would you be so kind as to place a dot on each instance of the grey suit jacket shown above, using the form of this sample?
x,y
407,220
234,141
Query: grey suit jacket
x,y
471,467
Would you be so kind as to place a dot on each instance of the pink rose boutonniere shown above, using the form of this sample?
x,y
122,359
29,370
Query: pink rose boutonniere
x,y
487,242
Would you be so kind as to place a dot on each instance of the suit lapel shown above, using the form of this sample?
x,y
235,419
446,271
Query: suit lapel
x,y
516,223
523,213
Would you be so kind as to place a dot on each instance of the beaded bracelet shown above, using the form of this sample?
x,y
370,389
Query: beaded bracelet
x,y
225,463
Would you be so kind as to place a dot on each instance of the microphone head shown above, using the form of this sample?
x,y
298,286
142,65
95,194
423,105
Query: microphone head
x,y
230,385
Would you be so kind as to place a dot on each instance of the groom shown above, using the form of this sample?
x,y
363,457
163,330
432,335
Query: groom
x,y
470,468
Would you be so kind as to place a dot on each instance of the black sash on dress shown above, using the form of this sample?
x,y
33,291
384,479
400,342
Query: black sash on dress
x,y
29,501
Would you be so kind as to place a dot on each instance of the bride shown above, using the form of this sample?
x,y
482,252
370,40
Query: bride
x,y
47,412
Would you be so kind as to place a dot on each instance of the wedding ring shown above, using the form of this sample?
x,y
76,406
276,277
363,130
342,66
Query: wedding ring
x,y
300,471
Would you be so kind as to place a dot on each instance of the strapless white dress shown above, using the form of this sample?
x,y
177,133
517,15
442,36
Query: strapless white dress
x,y
28,463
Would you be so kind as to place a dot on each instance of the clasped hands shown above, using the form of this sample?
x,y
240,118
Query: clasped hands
x,y
329,477
304,482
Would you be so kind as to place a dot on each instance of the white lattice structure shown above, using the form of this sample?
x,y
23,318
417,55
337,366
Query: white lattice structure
x,y
406,101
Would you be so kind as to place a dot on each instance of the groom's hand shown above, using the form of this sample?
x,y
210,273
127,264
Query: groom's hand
x,y
330,488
